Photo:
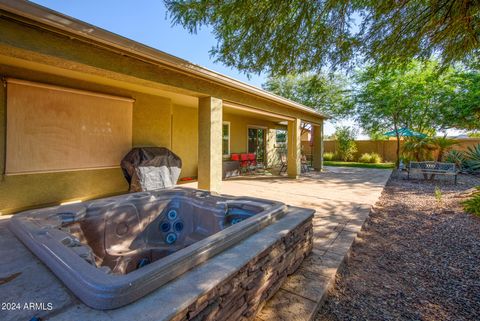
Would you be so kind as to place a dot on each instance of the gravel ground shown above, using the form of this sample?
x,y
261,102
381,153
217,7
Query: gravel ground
x,y
418,257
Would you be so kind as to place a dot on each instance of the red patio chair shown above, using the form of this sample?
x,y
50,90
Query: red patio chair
x,y
235,157
244,162
252,162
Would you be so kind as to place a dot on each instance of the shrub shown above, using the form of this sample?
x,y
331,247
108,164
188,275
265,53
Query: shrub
x,y
346,147
468,160
419,149
472,205
328,156
443,145
472,155
456,157
373,158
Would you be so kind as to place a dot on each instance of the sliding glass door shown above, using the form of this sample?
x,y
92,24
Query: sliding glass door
x,y
257,143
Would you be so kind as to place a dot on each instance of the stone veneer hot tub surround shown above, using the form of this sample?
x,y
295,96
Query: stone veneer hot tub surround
x,y
243,292
41,232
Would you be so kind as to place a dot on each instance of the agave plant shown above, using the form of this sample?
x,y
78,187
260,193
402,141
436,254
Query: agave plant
x,y
472,156
456,157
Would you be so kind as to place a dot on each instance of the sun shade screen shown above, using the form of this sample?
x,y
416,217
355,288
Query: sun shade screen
x,y
53,128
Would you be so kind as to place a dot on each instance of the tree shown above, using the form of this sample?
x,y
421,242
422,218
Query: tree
x,y
415,96
345,140
326,94
282,37
460,106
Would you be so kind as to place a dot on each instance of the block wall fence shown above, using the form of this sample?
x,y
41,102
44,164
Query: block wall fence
x,y
385,148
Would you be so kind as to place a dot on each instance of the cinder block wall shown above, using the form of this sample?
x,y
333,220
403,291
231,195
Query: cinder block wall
x,y
385,148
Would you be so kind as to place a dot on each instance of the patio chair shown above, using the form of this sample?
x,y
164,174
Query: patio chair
x,y
252,162
244,163
304,164
283,162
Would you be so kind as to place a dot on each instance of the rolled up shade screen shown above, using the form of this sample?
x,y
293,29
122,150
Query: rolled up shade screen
x,y
51,128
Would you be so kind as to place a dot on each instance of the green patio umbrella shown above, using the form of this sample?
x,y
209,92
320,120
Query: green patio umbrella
x,y
404,132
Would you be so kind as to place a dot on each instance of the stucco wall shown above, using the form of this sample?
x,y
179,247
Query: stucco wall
x,y
238,134
151,127
185,138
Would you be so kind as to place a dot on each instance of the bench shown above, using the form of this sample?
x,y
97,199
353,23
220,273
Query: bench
x,y
432,168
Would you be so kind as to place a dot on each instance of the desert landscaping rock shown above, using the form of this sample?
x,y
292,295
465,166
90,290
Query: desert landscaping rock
x,y
417,258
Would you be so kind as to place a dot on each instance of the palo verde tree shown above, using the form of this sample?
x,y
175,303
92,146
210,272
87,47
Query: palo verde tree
x,y
294,36
327,94
416,96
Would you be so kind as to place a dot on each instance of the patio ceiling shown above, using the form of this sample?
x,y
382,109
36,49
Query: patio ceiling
x,y
245,111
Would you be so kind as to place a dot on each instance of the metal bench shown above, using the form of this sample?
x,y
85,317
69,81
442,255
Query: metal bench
x,y
432,168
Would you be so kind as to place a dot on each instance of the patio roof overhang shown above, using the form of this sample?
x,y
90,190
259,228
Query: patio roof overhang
x,y
51,20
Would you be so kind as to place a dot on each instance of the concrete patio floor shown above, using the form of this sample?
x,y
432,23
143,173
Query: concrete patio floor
x,y
342,198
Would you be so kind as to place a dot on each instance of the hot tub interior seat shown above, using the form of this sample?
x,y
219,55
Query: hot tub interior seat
x,y
124,236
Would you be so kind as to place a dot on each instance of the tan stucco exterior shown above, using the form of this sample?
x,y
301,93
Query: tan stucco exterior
x,y
167,110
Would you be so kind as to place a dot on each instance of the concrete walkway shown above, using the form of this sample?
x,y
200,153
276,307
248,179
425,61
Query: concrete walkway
x,y
342,198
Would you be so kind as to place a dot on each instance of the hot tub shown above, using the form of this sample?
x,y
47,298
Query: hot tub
x,y
113,251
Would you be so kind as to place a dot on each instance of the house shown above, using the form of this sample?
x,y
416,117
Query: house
x,y
76,98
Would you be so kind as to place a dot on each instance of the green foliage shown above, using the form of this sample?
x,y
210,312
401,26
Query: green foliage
x,y
438,194
474,134
472,158
416,96
282,37
443,145
377,136
372,158
468,160
456,157
472,205
328,156
345,140
419,149
326,94
361,165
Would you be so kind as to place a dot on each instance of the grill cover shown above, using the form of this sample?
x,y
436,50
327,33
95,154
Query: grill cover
x,y
151,168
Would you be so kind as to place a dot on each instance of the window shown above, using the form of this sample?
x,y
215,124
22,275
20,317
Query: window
x,y
281,137
226,138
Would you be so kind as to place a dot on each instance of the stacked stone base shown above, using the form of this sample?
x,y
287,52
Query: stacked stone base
x,y
244,293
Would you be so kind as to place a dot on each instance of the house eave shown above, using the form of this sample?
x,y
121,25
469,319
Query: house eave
x,y
48,19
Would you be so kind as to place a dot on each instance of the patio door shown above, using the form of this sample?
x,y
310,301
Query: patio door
x,y
257,143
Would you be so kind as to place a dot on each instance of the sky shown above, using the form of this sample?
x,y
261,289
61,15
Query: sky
x,y
147,22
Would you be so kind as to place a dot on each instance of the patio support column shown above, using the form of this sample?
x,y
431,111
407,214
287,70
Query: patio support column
x,y
317,155
294,148
210,111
